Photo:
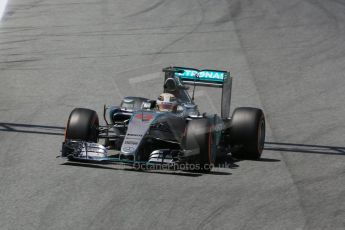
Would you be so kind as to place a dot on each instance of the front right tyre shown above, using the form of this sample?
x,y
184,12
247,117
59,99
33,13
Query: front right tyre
x,y
82,125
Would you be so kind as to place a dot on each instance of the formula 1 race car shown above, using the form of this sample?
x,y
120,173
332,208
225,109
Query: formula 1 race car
x,y
169,131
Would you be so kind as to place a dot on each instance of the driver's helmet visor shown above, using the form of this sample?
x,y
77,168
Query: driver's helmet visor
x,y
165,106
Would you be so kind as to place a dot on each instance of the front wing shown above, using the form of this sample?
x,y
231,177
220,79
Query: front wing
x,y
96,153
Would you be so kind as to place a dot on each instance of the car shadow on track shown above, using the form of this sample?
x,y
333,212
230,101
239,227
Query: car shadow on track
x,y
33,129
304,148
230,162
167,172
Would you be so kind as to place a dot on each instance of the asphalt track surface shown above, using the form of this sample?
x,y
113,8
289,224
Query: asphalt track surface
x,y
287,57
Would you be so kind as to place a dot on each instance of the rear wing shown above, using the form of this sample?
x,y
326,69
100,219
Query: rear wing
x,y
207,78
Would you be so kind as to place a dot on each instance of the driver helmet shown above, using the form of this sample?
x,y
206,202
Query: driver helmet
x,y
166,102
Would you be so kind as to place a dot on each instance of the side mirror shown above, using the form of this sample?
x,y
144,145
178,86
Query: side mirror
x,y
180,109
148,105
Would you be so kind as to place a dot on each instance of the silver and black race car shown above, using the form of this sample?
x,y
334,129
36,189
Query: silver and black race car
x,y
168,131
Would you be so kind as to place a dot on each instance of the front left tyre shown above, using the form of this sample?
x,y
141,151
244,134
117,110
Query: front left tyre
x,y
198,136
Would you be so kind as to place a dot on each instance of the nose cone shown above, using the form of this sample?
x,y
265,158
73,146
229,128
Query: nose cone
x,y
136,131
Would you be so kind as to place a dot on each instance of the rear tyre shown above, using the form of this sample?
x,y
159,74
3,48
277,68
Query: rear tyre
x,y
247,133
199,136
82,125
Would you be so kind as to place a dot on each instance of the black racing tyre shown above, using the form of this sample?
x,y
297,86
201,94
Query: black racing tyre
x,y
82,125
247,133
198,135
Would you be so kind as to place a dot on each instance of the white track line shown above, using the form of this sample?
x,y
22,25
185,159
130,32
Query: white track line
x,y
3,4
